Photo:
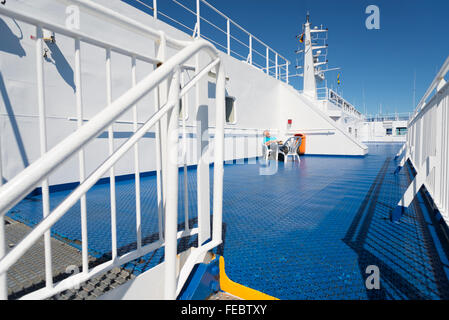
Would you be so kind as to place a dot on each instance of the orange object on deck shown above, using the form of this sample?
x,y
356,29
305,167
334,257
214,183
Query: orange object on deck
x,y
302,147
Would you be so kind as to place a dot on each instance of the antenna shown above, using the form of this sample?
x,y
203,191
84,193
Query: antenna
x,y
414,88
363,97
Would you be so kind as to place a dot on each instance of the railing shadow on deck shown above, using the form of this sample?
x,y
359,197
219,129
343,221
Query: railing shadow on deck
x,y
390,275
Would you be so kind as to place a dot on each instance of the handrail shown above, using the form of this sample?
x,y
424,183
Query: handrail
x,y
241,28
427,148
281,70
344,101
31,176
110,15
388,117
18,187
440,76
76,34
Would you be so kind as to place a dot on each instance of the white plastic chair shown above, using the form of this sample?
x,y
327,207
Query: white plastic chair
x,y
268,152
292,145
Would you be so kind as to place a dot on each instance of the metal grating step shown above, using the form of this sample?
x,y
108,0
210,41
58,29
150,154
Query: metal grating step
x,y
97,286
28,274
223,296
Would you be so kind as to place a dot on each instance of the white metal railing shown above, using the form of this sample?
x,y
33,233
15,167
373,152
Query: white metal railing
x,y
342,103
322,93
330,95
435,83
404,116
427,146
265,59
167,75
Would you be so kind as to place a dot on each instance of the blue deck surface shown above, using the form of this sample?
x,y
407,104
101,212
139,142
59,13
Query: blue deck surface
x,y
307,232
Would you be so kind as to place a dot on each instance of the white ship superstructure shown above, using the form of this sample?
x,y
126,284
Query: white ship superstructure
x,y
314,52
385,128
253,94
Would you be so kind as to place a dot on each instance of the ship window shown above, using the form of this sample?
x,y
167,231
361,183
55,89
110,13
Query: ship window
x,y
230,110
350,130
401,131
389,131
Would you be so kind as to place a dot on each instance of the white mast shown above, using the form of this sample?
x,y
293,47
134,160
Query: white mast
x,y
309,68
313,70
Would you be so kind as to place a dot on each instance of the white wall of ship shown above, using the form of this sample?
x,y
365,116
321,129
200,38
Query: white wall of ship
x,y
379,131
261,102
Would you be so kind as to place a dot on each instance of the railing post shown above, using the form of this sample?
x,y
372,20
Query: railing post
x,y
219,153
444,161
171,209
136,161
155,9
43,149
3,276
228,36
184,102
198,18
202,171
161,126
438,120
268,60
250,49
276,65
111,151
81,160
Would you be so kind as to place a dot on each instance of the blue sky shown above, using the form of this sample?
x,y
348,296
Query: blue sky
x,y
412,38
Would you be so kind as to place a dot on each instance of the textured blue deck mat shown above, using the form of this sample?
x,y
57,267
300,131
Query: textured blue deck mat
x,y
307,232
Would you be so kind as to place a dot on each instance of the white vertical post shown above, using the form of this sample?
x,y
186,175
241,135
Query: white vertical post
x,y
161,126
268,60
111,151
171,208
219,153
228,36
43,149
82,170
250,49
198,18
155,9
418,157
437,151
202,172
445,159
136,162
3,276
276,66
184,147
286,71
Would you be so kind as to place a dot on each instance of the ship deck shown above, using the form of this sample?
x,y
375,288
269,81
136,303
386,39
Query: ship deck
x,y
309,231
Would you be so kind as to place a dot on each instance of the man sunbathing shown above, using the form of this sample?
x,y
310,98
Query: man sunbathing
x,y
268,140
272,142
